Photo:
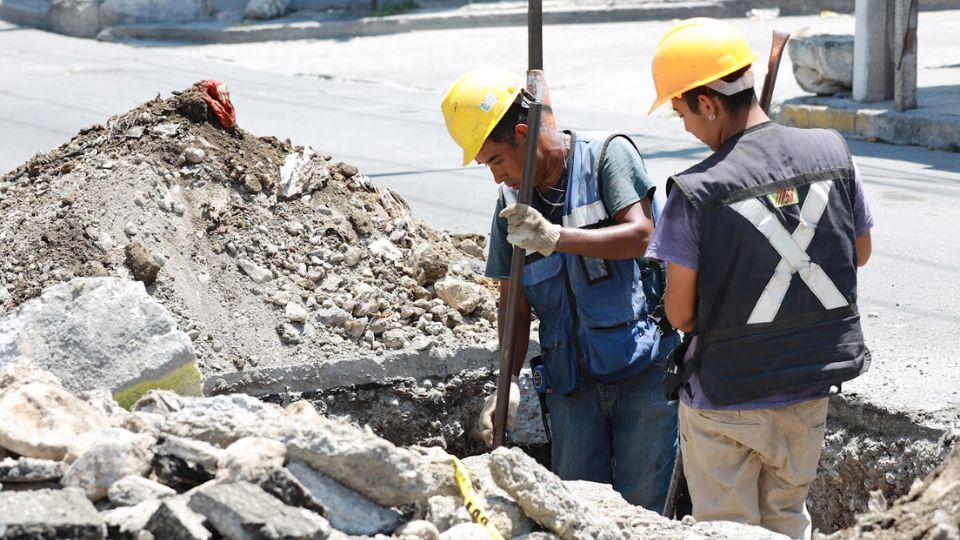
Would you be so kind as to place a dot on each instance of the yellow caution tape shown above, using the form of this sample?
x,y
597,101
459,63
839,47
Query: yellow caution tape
x,y
470,501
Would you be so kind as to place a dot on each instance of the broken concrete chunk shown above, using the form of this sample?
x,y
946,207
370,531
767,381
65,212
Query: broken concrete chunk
x,y
126,522
333,316
394,339
173,519
428,264
466,531
141,263
257,273
114,454
136,345
347,510
244,511
220,420
444,511
77,18
822,63
386,249
295,312
371,466
194,155
250,459
41,420
47,513
462,296
544,497
283,485
417,530
29,470
133,489
185,462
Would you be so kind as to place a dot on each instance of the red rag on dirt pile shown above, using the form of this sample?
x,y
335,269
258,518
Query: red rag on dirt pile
x,y
217,96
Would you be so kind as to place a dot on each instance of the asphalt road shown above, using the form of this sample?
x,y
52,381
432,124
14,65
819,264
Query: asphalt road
x,y
375,102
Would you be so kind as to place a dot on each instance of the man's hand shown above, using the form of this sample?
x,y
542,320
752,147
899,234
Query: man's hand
x,y
528,229
486,415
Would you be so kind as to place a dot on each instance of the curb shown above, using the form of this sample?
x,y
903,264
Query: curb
x,y
882,123
22,15
339,27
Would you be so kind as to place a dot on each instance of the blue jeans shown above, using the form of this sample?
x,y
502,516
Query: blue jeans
x,y
623,434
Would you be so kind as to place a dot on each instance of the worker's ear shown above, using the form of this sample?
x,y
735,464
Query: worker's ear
x,y
521,131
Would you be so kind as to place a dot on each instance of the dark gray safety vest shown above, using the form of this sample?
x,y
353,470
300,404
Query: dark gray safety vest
x,y
594,313
777,277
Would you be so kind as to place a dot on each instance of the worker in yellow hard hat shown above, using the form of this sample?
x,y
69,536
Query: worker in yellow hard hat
x,y
598,300
762,241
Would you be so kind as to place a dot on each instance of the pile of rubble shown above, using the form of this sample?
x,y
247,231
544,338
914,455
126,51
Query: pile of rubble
x,y
78,466
266,253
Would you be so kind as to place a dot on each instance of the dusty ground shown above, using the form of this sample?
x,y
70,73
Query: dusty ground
x,y
259,268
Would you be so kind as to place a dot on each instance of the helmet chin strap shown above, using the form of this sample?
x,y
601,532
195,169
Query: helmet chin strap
x,y
731,88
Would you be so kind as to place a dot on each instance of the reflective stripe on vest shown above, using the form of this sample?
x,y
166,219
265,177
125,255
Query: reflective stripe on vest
x,y
792,249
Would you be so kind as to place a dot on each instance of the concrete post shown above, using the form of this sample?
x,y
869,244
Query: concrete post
x,y
872,55
905,55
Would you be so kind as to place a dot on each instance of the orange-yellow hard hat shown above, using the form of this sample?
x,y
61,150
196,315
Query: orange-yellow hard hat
x,y
696,52
475,103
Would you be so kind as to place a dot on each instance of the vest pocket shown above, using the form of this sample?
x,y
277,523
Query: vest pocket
x,y
545,288
618,351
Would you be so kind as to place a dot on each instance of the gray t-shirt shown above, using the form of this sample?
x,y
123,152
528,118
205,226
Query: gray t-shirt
x,y
625,181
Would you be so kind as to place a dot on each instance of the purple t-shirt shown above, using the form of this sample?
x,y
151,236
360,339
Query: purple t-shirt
x,y
676,240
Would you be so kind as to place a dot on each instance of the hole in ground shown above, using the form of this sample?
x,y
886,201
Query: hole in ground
x,y
865,449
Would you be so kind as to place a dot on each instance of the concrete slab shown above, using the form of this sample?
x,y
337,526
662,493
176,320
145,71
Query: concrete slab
x,y
319,376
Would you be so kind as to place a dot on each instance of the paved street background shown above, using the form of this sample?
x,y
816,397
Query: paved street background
x,y
375,102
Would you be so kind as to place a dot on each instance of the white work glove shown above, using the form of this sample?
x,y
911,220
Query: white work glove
x,y
528,229
486,415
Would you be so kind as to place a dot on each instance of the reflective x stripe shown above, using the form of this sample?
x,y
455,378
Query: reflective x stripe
x,y
585,215
793,250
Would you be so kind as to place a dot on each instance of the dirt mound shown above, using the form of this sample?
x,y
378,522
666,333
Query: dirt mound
x,y
266,252
930,511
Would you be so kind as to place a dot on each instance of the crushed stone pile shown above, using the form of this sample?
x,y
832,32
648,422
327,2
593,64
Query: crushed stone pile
x,y
79,466
266,253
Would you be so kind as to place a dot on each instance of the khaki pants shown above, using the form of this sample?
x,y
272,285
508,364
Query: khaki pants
x,y
753,466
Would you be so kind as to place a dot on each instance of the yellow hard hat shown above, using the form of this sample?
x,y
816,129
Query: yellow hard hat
x,y
475,103
695,52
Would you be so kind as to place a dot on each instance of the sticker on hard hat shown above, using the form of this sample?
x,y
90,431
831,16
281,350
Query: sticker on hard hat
x,y
470,501
489,101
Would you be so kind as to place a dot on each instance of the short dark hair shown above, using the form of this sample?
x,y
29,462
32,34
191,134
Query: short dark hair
x,y
733,103
505,130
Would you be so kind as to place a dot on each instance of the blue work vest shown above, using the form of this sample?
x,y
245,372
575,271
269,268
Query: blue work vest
x,y
593,312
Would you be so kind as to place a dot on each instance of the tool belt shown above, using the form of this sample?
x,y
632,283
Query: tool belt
x,y
677,372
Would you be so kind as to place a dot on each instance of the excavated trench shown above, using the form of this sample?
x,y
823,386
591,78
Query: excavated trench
x,y
868,452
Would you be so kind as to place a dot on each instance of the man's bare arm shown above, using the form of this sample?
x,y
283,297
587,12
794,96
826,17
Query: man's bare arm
x,y
680,299
627,239
864,248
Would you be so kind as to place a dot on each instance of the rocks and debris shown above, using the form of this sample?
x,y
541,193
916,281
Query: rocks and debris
x,y
931,509
220,224
299,474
